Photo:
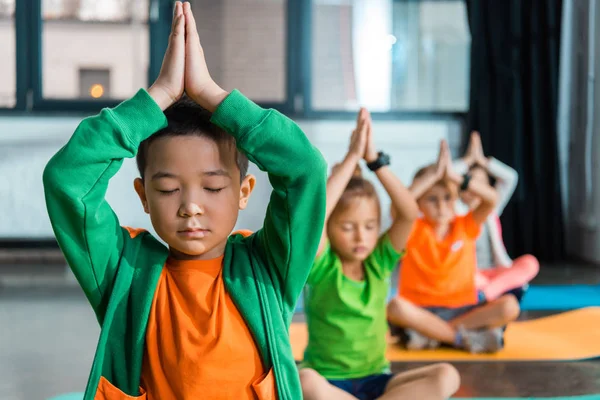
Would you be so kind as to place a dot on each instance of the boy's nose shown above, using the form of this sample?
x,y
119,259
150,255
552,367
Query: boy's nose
x,y
190,209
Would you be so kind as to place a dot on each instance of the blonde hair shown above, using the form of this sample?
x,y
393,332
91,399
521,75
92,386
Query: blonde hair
x,y
358,186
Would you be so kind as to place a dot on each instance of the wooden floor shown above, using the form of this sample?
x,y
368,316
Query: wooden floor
x,y
48,337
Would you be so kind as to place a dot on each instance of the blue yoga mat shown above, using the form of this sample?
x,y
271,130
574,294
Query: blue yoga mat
x,y
561,297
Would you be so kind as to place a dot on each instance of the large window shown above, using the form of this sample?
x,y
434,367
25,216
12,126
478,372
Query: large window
x,y
389,55
308,58
245,45
84,39
8,78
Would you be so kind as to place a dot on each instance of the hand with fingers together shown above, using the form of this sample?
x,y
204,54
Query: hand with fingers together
x,y
358,140
184,66
199,85
474,154
169,86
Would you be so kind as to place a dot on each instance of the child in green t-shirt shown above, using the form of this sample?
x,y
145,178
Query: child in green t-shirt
x,y
347,288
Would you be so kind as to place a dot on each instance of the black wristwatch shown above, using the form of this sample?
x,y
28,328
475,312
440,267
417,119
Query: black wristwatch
x,y
465,183
382,160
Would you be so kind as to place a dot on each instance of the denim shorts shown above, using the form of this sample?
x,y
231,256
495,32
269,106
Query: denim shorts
x,y
448,314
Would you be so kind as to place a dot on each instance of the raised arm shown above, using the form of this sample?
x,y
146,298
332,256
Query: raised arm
x,y
485,192
75,184
433,174
342,172
506,177
295,215
404,204
506,181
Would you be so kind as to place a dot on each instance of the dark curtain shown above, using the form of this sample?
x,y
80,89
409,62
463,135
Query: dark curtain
x,y
513,103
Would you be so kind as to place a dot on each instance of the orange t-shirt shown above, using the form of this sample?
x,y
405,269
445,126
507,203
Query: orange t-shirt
x,y
440,273
198,346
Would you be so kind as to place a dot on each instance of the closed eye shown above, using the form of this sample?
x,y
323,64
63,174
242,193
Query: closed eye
x,y
213,190
167,192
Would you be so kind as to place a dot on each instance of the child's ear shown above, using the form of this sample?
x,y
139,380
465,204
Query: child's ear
x,y
138,185
246,189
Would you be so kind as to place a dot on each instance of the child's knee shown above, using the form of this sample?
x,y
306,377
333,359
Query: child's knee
x,y
310,380
509,307
396,307
530,264
446,379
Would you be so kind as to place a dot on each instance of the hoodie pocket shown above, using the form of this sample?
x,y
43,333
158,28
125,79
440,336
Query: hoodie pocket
x,y
107,391
264,387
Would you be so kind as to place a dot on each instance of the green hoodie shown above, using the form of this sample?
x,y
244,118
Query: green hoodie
x,y
264,273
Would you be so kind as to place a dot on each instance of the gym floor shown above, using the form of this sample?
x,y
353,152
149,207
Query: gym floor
x,y
48,337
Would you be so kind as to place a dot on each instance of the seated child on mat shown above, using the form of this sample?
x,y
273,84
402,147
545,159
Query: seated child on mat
x,y
206,317
437,299
497,273
348,285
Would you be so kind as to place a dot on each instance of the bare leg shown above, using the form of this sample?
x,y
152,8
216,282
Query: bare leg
x,y
403,313
490,315
434,382
500,280
316,387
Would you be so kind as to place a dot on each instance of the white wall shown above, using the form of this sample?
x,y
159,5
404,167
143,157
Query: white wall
x,y
26,144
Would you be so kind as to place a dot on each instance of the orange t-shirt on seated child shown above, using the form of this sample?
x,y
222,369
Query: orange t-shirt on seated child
x,y
440,273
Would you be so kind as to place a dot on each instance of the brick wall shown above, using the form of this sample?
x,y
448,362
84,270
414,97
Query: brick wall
x,y
245,45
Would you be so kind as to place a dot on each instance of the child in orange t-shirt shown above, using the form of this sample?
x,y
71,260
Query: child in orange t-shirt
x,y
438,300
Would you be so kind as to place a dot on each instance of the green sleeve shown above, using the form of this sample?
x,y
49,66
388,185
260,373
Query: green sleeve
x,y
289,238
75,183
384,253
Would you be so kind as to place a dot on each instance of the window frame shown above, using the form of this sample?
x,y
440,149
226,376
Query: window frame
x,y
297,63
157,24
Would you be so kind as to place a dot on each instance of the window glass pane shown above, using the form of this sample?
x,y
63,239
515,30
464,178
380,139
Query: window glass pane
x,y
100,44
402,55
8,55
94,83
245,45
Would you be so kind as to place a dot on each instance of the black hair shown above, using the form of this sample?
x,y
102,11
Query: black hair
x,y
186,118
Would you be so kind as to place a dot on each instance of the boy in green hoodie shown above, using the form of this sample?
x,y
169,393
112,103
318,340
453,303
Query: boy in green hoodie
x,y
206,316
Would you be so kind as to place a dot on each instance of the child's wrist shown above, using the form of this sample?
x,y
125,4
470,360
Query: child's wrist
x,y
353,158
160,97
457,179
210,97
371,157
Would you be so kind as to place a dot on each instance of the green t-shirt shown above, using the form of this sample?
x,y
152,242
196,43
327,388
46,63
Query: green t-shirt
x,y
346,319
